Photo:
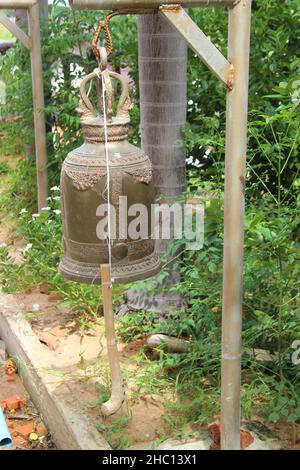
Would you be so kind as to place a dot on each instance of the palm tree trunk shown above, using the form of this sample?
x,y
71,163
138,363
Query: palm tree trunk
x,y
162,82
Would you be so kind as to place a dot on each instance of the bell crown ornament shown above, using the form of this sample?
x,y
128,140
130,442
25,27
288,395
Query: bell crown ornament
x,y
84,193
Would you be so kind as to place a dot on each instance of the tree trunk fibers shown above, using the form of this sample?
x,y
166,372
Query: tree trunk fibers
x,y
162,81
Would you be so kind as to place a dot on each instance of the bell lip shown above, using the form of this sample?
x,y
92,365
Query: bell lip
x,y
121,278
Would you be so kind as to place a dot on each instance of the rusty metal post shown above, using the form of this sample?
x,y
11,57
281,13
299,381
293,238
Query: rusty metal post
x,y
38,105
234,206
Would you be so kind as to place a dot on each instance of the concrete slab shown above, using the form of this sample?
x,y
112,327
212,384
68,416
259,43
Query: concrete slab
x,y
202,442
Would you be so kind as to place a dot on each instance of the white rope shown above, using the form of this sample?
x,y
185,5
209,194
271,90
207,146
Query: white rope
x,y
107,173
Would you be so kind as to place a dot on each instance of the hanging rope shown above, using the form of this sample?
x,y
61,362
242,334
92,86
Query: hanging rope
x,y
104,25
109,241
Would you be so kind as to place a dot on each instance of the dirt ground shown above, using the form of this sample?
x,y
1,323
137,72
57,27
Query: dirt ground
x,y
81,361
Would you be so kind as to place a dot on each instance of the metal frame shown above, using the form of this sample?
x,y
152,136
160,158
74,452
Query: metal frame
x,y
33,43
234,73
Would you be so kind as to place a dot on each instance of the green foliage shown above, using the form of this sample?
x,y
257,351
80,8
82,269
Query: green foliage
x,y
67,56
135,326
3,168
41,256
274,74
115,433
4,34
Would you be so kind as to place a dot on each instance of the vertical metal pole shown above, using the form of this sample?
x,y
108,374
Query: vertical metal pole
x,y
38,106
234,207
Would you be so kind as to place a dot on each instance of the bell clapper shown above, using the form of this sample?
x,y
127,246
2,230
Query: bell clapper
x,y
117,392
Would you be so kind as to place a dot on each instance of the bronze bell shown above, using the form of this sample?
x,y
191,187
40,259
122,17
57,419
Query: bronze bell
x,y
84,189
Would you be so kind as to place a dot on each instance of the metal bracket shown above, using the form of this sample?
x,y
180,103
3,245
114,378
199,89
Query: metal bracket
x,y
199,42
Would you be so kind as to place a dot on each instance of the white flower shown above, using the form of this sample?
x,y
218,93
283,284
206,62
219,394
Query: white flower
x,y
57,211
197,163
46,208
3,245
34,216
190,102
23,211
35,307
27,247
208,151
54,188
56,198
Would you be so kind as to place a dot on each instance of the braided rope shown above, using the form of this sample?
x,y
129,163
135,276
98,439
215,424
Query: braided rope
x,y
104,24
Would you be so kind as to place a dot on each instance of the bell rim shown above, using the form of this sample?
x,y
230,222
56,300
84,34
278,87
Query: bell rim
x,y
121,273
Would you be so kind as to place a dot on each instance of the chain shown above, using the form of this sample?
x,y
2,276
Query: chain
x,y
104,24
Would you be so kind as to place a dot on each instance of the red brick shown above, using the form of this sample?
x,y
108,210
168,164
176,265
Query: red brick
x,y
25,430
41,430
246,439
12,403
22,402
15,402
214,432
54,297
44,288
19,441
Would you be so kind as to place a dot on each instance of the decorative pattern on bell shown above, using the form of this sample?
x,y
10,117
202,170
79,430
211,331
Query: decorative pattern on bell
x,y
84,193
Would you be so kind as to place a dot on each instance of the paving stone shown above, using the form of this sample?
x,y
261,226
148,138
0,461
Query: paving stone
x,y
264,439
202,442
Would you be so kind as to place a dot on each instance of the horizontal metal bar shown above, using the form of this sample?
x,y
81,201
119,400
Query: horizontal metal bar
x,y
151,4
15,30
12,4
200,43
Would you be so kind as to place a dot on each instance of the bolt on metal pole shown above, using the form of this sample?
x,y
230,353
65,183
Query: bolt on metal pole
x,y
38,106
234,208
